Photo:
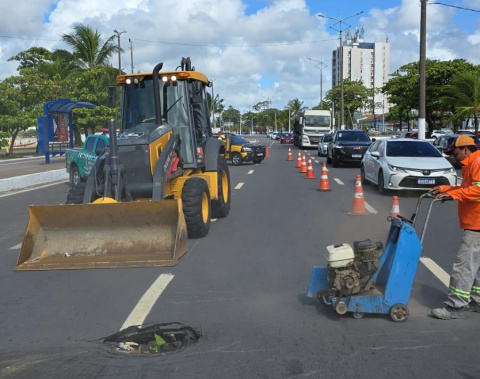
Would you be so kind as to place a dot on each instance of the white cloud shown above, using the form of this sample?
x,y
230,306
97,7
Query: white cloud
x,y
238,51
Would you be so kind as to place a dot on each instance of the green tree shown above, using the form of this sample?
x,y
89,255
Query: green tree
x,y
215,106
403,87
89,51
231,115
463,94
355,97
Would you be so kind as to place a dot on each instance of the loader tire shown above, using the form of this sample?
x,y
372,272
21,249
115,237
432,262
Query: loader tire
x,y
221,206
196,207
76,192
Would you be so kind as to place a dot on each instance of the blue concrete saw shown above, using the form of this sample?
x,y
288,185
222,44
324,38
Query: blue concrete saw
x,y
369,278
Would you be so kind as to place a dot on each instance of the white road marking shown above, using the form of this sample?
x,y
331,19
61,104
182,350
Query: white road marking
x,y
213,219
317,161
251,172
436,270
32,188
338,181
16,247
369,208
146,303
239,185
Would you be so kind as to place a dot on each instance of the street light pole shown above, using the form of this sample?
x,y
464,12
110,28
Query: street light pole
x,y
423,44
321,65
340,29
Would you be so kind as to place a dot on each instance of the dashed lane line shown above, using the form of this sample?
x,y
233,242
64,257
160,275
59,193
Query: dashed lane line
x,y
148,300
369,208
436,270
239,185
250,172
338,181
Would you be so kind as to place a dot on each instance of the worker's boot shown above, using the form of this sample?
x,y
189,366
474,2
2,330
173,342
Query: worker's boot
x,y
448,313
472,307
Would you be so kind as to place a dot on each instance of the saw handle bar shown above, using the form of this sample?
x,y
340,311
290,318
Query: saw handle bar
x,y
412,220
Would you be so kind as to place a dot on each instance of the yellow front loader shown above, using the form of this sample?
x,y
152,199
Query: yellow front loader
x,y
158,183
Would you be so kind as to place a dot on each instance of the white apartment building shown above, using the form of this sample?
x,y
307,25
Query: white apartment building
x,y
365,61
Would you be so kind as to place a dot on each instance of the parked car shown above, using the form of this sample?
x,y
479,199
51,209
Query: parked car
x,y
441,132
347,146
79,163
323,144
414,135
286,137
445,144
405,164
239,150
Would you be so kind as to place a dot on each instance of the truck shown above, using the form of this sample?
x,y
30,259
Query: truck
x,y
310,125
159,182
79,163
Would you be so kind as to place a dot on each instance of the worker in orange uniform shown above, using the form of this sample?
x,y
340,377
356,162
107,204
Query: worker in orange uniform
x,y
464,289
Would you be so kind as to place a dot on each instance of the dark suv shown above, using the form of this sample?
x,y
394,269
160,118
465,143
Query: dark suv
x,y
347,146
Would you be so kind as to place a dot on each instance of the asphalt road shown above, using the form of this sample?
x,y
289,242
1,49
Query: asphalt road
x,y
244,286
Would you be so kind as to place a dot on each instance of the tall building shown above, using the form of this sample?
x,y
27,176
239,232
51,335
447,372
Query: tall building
x,y
365,61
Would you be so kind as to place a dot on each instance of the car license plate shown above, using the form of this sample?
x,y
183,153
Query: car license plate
x,y
356,155
426,181
259,154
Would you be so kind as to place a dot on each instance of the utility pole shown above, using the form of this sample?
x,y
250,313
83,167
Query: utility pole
x,y
423,45
340,29
131,53
119,51
321,65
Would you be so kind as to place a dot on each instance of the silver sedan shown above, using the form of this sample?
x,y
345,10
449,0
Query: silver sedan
x,y
405,164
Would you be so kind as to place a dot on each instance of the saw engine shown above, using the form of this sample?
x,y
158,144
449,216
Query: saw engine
x,y
349,270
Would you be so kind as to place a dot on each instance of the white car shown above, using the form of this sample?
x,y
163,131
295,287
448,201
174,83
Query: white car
x,y
323,144
405,164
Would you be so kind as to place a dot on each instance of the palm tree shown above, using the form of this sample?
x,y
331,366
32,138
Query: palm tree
x,y
463,94
89,52
295,106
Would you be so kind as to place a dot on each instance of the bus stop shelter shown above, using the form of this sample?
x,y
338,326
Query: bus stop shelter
x,y
55,127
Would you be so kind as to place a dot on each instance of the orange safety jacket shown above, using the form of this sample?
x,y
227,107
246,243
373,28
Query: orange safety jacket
x,y
468,193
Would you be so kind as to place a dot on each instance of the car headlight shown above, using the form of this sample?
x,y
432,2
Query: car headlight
x,y
450,170
396,169
246,149
305,139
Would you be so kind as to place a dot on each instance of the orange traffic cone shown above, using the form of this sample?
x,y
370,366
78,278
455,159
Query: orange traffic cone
x,y
299,160
289,155
310,174
303,168
267,152
324,185
395,207
358,206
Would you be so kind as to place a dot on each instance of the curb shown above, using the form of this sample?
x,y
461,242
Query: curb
x,y
25,181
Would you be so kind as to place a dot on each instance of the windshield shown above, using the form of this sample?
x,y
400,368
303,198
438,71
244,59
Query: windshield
x,y
235,140
353,136
411,149
317,121
139,113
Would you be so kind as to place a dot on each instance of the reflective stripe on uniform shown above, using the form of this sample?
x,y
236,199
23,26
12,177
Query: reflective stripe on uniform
x,y
475,289
459,292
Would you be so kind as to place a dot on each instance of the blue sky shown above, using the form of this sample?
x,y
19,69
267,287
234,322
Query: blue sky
x,y
252,49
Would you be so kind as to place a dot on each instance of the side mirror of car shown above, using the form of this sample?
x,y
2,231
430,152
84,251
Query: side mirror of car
x,y
374,139
375,154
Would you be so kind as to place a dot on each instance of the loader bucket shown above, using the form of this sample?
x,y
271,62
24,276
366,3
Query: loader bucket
x,y
104,235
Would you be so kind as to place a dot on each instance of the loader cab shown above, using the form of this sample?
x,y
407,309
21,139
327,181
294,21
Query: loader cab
x,y
183,109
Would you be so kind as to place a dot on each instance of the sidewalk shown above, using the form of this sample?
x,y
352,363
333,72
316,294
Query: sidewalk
x,y
20,173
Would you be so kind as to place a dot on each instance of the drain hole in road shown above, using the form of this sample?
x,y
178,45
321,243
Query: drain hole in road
x,y
154,339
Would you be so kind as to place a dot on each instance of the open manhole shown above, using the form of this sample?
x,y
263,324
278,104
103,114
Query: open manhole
x,y
154,339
